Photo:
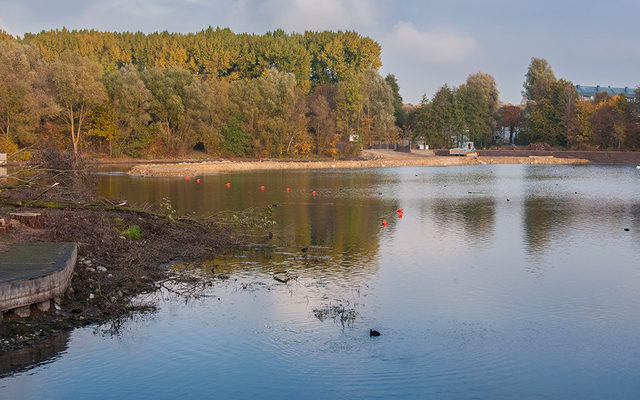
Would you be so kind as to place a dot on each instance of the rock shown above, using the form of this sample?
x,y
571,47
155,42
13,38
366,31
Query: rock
x,y
100,268
23,312
44,306
91,269
87,262
110,276
91,296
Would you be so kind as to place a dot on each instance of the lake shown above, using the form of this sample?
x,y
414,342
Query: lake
x,y
499,281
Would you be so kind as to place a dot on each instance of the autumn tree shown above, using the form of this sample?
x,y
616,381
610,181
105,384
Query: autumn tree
x,y
377,118
322,120
78,90
510,117
274,112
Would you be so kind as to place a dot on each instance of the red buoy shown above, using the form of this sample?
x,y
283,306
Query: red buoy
x,y
261,187
197,180
187,178
287,190
384,222
313,193
400,210
399,215
228,184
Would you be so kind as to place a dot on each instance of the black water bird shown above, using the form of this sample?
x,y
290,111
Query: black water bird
x,y
304,249
270,235
373,333
626,229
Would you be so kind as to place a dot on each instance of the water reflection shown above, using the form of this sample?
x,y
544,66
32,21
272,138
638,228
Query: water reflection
x,y
474,216
40,353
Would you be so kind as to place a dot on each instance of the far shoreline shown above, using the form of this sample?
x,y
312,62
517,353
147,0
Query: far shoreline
x,y
369,159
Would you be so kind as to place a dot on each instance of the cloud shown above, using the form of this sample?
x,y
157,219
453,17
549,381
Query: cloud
x,y
301,15
434,46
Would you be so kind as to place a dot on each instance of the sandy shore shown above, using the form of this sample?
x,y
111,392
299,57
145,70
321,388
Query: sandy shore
x,y
370,159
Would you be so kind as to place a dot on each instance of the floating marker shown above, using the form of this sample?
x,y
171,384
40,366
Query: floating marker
x,y
228,184
400,210
399,215
197,180
261,187
313,193
287,190
384,222
187,178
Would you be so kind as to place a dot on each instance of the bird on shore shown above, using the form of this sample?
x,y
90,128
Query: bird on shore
x,y
373,333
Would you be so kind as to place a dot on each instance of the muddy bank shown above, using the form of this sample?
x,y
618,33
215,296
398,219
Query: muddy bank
x,y
122,253
369,159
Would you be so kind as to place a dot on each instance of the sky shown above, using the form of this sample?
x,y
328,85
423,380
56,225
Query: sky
x,y
425,44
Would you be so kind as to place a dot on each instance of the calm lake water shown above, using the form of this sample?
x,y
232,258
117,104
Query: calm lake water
x,y
505,281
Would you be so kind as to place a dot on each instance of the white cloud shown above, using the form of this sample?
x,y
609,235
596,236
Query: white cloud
x,y
130,8
301,15
434,46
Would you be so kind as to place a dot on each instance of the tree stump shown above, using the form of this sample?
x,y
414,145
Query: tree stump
x,y
34,220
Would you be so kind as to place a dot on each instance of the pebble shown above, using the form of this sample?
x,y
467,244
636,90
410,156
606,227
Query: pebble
x,y
100,268
91,269
91,296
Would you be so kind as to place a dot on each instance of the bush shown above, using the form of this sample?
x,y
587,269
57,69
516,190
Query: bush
x,y
133,233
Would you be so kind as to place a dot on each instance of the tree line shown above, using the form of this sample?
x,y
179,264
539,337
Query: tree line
x,y
163,94
272,95
552,114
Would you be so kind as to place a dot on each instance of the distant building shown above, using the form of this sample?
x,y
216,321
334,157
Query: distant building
x,y
589,92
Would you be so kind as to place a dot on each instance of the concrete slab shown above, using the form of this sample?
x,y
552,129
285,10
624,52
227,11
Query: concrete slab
x,y
32,273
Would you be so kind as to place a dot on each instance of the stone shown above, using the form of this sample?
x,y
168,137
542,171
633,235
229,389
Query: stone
x,y
91,296
22,312
90,269
100,268
44,305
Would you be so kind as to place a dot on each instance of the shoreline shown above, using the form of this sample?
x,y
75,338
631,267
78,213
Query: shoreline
x,y
370,159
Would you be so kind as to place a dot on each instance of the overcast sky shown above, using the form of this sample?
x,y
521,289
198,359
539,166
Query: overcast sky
x,y
424,43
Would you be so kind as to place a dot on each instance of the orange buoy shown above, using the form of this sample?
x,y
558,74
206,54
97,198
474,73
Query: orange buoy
x,y
228,184
313,193
384,222
261,187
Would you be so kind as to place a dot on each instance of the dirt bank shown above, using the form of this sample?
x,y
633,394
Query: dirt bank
x,y
122,253
369,159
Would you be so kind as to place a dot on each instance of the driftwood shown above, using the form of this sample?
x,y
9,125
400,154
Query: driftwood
x,y
283,276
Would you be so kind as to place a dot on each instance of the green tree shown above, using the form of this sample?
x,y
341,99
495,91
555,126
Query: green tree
x,y
398,110
129,101
538,79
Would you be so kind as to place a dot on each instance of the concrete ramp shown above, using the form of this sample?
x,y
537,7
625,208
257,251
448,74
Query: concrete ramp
x,y
34,274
